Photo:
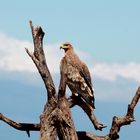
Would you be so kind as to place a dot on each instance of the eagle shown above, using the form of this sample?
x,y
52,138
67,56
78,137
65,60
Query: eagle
x,y
77,74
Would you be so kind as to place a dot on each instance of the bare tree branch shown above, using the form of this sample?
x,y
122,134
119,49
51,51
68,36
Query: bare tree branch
x,y
38,58
118,122
56,117
76,100
82,135
20,126
36,127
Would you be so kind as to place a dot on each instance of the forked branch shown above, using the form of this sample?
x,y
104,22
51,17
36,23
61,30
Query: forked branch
x,y
118,122
56,117
39,60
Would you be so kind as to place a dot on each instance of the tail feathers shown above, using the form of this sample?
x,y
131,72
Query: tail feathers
x,y
90,100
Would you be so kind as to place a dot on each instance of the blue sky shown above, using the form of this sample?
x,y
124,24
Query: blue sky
x,y
104,33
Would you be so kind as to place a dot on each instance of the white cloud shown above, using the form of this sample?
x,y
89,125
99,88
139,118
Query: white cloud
x,y
107,71
14,58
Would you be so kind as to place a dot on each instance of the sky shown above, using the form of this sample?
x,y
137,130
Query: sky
x,y
104,33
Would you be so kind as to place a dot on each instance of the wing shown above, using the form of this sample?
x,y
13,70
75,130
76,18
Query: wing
x,y
84,72
74,61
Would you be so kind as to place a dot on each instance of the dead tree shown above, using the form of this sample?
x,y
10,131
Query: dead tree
x,y
56,118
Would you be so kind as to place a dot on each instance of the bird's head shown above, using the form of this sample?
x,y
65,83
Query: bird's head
x,y
66,46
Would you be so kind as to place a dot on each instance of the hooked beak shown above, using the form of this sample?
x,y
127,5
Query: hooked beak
x,y
61,47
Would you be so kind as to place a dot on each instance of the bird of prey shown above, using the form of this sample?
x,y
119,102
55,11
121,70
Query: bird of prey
x,y
77,75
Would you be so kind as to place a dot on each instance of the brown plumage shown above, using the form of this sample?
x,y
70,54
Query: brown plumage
x,y
77,73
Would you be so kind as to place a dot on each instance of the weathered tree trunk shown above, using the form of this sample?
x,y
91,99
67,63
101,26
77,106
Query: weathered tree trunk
x,y
56,118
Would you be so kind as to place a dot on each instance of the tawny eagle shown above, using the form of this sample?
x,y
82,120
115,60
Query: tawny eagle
x,y
77,75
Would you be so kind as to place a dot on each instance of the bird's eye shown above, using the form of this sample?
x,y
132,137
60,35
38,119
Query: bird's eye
x,y
66,44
